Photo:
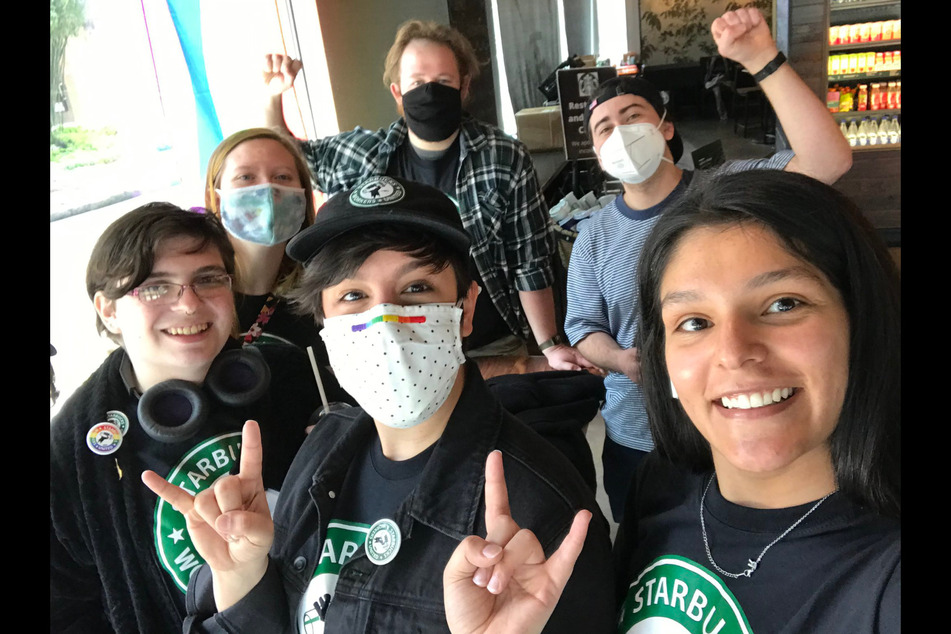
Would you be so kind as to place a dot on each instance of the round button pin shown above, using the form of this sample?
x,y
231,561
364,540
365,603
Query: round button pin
x,y
103,438
383,542
119,419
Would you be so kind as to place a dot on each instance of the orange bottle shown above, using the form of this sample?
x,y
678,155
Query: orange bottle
x,y
862,99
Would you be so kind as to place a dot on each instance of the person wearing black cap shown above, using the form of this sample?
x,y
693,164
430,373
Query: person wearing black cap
x,y
638,144
429,71
380,496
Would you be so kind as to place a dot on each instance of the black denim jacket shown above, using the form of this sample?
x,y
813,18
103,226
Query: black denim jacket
x,y
545,491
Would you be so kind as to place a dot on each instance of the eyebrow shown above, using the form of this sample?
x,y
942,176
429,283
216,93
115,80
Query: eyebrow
x,y
759,281
620,112
415,265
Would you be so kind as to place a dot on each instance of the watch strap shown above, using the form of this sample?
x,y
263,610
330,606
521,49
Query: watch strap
x,y
553,341
771,67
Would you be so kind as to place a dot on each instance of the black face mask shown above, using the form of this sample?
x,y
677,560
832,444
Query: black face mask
x,y
433,111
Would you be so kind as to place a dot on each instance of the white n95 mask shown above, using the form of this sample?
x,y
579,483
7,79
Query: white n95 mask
x,y
633,152
265,214
398,362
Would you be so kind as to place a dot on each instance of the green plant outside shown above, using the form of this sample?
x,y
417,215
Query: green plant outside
x,y
76,146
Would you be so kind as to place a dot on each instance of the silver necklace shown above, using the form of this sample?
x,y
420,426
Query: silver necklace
x,y
751,565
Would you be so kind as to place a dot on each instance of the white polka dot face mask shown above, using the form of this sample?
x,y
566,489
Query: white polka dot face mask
x,y
398,362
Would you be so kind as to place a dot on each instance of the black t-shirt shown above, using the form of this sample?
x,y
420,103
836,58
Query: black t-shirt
x,y
441,173
839,570
283,324
375,486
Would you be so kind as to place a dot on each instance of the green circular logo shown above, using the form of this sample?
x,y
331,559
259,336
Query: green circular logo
x,y
383,541
196,471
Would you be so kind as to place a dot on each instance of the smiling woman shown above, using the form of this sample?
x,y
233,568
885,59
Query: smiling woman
x,y
771,360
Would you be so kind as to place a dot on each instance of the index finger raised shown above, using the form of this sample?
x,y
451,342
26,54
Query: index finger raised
x,y
562,561
251,451
496,493
181,500
500,527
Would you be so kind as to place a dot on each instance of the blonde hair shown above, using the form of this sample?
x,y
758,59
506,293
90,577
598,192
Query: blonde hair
x,y
434,32
290,270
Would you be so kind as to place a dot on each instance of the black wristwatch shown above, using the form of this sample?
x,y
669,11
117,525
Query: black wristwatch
x,y
771,67
554,341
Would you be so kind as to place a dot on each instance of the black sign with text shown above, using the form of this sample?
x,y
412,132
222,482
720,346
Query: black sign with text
x,y
575,86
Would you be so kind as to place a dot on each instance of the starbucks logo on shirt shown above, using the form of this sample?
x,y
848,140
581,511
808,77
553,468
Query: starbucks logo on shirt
x,y
674,595
196,471
383,542
379,190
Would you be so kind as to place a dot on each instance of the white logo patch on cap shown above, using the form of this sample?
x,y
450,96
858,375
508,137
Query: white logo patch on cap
x,y
376,191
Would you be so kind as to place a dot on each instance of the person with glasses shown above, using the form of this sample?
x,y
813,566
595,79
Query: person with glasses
x,y
172,399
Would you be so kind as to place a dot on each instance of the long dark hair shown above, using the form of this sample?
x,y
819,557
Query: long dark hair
x,y
820,226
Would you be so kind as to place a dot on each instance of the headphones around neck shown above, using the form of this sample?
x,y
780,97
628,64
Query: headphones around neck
x,y
175,410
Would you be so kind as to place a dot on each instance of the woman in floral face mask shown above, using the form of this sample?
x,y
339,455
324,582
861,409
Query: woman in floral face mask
x,y
259,184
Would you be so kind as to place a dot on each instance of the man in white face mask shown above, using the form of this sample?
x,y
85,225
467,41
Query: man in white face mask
x,y
636,142
380,495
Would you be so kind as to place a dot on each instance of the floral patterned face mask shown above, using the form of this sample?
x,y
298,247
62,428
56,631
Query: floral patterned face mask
x,y
264,214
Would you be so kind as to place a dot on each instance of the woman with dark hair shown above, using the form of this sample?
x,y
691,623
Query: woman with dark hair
x,y
771,360
772,312
171,398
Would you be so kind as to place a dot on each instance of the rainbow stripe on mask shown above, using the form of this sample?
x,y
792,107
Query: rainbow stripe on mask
x,y
418,319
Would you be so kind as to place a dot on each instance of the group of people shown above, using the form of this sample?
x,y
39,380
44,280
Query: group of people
x,y
747,323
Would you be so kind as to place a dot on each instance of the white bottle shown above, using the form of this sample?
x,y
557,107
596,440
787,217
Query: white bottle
x,y
863,132
883,130
844,129
872,132
853,135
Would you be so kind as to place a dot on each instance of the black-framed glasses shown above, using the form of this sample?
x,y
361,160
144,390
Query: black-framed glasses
x,y
166,293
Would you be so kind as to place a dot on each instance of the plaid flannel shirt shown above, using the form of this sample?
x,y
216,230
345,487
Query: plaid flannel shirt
x,y
496,191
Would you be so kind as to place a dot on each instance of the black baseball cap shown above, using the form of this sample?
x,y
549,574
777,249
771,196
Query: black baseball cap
x,y
382,200
639,87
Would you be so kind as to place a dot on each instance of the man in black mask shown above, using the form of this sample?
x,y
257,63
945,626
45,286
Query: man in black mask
x,y
488,174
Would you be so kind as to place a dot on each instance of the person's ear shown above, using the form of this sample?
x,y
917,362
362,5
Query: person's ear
x,y
468,308
397,94
464,88
667,129
106,309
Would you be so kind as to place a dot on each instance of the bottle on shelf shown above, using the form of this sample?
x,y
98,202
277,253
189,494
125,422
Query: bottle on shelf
x,y
871,131
883,127
853,133
863,133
